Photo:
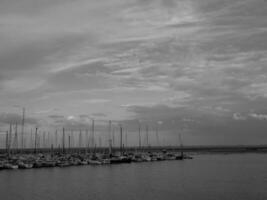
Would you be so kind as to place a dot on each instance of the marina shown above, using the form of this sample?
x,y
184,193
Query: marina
x,y
27,161
85,151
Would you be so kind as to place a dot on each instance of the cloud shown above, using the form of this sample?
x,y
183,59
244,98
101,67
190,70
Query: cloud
x,y
89,65
84,116
162,60
45,111
96,101
238,116
71,117
258,116
56,117
16,118
99,114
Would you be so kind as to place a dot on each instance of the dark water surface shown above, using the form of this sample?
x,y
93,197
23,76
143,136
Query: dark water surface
x,y
233,176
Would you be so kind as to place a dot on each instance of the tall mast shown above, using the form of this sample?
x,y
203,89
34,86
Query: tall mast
x,y
87,141
126,135
44,143
109,140
113,136
16,137
139,130
80,139
93,132
22,127
181,144
157,136
63,140
147,143
31,139
35,140
48,140
121,140
69,143
10,137
56,139
72,139
38,141
7,146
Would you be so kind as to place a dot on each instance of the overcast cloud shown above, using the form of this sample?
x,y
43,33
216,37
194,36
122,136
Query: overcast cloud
x,y
197,65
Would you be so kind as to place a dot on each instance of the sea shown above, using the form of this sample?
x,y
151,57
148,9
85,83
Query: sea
x,y
206,177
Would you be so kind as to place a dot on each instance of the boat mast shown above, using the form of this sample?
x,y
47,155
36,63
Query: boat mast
x,y
63,140
139,131
110,140
48,140
80,140
147,143
113,136
9,138
31,140
69,143
93,132
56,139
35,140
7,146
87,141
181,144
22,128
16,137
72,139
121,139
44,143
157,135
126,137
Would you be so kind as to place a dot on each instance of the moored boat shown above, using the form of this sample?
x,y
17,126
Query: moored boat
x,y
120,159
94,162
63,164
10,166
23,165
49,163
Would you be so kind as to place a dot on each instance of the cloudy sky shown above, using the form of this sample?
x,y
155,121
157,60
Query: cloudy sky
x,y
199,67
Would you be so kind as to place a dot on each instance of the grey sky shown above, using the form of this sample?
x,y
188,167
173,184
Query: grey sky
x,y
201,65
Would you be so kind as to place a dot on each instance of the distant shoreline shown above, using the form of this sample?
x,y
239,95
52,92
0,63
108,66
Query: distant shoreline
x,y
193,149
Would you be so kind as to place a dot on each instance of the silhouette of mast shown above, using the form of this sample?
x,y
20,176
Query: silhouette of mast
x,y
139,131
35,140
121,140
147,142
157,136
113,136
109,140
9,138
181,144
87,141
93,132
16,137
22,127
63,140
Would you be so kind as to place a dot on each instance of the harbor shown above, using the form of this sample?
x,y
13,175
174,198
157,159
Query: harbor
x,y
42,160
25,149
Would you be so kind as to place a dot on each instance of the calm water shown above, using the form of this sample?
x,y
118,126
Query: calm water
x,y
234,176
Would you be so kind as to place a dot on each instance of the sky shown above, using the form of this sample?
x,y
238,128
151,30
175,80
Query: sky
x,y
198,68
